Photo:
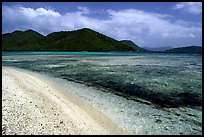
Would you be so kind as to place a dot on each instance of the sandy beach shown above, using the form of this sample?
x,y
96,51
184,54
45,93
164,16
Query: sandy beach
x,y
39,103
31,105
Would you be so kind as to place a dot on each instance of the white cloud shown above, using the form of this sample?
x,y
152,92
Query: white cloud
x,y
144,28
190,7
143,24
83,10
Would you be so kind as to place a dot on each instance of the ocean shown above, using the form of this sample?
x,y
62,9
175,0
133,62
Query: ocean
x,y
167,80
166,86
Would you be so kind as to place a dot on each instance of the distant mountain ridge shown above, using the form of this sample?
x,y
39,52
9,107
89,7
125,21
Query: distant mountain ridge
x,y
130,43
163,48
78,40
187,49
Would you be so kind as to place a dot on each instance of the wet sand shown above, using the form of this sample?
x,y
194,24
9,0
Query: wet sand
x,y
31,105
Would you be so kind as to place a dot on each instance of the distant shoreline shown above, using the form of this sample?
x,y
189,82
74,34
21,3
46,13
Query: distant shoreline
x,y
98,53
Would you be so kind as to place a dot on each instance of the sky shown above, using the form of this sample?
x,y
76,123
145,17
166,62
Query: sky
x,y
148,24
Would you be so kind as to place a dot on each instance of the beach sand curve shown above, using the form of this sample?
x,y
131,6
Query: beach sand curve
x,y
31,105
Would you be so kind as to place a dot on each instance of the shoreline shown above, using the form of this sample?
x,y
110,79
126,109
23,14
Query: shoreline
x,y
33,104
109,113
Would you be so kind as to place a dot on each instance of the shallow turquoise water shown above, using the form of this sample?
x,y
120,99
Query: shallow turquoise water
x,y
159,93
69,53
166,80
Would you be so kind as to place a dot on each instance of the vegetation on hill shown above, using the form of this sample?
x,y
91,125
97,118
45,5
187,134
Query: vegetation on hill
x,y
132,44
78,40
21,40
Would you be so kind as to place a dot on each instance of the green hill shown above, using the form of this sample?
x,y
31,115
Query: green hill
x,y
188,49
78,40
132,44
21,40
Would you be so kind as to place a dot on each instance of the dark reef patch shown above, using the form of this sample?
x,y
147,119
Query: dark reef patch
x,y
175,85
133,91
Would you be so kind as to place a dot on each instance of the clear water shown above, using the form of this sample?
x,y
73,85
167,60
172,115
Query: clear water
x,y
166,80
68,53
158,93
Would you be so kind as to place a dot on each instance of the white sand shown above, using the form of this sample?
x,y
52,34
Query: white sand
x,y
31,105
